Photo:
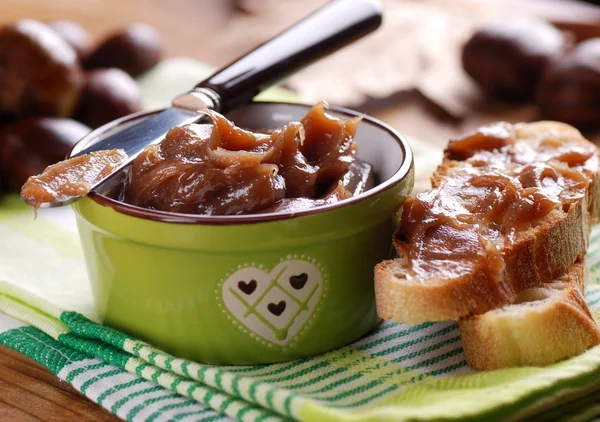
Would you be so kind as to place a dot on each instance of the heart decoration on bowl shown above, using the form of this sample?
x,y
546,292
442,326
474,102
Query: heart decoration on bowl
x,y
274,306
247,287
298,281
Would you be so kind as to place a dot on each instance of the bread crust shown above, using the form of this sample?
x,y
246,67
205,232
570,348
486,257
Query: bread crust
x,y
546,325
538,256
541,255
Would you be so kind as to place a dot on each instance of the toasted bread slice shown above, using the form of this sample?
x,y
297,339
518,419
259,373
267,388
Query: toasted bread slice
x,y
546,324
472,276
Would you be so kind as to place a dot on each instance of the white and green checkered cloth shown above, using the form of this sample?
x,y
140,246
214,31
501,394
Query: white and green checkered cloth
x,y
396,373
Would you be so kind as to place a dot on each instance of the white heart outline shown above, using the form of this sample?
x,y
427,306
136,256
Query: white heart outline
x,y
304,323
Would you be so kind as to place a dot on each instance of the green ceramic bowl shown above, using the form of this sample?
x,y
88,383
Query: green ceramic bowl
x,y
247,289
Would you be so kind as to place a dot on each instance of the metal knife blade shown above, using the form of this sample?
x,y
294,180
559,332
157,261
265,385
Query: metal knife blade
x,y
132,140
135,138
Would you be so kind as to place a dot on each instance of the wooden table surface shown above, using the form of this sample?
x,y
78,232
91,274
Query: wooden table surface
x,y
27,390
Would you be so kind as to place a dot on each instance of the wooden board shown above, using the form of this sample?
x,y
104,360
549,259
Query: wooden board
x,y
29,392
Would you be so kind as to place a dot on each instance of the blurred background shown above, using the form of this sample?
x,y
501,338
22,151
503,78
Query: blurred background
x,y
417,48
410,73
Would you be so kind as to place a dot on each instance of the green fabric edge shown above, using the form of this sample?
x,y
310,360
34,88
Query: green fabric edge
x,y
588,404
499,411
16,308
40,347
512,400
209,375
58,331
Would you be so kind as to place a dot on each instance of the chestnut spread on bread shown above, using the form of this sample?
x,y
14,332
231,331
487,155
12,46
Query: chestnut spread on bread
x,y
227,170
489,191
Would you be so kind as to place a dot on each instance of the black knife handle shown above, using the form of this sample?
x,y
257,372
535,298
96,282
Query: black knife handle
x,y
325,31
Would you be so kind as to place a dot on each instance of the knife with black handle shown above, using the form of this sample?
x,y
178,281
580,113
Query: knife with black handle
x,y
330,28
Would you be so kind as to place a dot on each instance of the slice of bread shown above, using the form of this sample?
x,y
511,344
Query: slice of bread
x,y
475,274
546,324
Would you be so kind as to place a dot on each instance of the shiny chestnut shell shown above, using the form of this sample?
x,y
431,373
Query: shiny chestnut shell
x,y
74,35
108,94
570,89
135,49
39,71
29,145
507,58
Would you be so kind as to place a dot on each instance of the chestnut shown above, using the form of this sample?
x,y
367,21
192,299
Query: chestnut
x,y
39,71
107,95
135,49
3,182
570,89
506,58
31,144
74,35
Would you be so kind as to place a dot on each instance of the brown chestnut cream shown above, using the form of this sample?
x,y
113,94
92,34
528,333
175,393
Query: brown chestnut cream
x,y
70,177
229,170
496,184
220,169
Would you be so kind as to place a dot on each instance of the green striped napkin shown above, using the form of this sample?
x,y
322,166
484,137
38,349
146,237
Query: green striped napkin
x,y
398,372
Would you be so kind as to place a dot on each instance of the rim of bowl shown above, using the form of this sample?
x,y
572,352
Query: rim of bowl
x,y
182,218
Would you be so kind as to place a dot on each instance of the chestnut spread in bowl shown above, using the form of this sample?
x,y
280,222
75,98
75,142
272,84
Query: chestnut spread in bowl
x,y
226,170
221,169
